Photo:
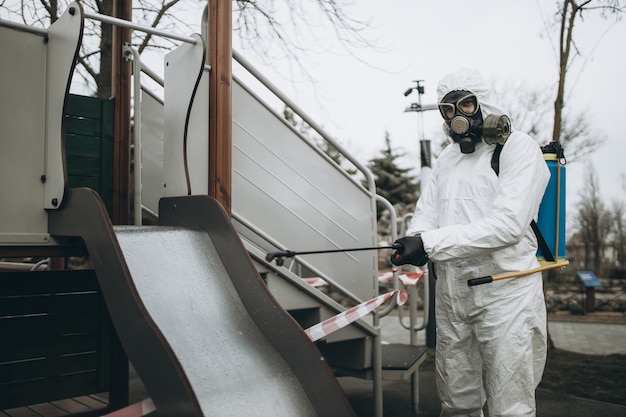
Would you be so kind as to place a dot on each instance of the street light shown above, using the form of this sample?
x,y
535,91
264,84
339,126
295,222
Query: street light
x,y
425,157
418,87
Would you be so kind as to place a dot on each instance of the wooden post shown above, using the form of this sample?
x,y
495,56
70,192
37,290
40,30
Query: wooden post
x,y
219,47
120,207
121,83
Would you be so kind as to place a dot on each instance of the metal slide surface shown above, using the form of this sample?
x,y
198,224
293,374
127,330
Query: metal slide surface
x,y
198,324
187,292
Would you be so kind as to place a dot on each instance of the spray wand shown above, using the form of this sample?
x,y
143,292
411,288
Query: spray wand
x,y
279,255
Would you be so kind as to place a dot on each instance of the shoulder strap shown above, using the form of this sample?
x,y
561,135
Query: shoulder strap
x,y
541,242
495,159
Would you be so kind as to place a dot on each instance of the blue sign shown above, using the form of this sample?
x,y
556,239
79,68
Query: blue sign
x,y
589,279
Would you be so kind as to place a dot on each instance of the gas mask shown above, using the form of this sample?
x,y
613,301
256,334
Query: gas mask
x,y
464,121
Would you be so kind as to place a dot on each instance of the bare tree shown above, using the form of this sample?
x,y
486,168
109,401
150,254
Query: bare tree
x,y
529,110
569,13
618,235
593,222
274,30
267,28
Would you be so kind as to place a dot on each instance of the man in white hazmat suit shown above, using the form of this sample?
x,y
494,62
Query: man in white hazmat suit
x,y
472,222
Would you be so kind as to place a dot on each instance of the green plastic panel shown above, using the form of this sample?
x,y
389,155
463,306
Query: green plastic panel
x,y
89,124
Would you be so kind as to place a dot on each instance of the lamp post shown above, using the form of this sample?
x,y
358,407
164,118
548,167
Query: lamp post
x,y
425,154
417,106
425,165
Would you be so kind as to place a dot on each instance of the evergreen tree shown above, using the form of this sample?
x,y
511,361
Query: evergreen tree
x,y
393,182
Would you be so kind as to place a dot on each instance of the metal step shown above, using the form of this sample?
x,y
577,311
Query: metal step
x,y
353,358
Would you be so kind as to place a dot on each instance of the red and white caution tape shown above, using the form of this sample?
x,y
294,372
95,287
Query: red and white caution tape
x,y
341,320
385,277
139,409
316,281
407,278
411,278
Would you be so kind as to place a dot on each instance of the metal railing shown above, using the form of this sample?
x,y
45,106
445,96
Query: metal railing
x,y
130,25
22,27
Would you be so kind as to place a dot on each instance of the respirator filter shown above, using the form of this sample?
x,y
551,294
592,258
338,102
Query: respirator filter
x,y
496,129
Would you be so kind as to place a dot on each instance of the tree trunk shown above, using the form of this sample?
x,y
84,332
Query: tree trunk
x,y
565,42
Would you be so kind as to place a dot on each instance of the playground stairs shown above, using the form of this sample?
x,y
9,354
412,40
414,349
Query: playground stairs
x,y
291,196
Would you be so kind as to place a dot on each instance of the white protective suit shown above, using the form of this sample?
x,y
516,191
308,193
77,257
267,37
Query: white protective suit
x,y
491,338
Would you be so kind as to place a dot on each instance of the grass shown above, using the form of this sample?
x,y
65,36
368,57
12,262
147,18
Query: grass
x,y
597,377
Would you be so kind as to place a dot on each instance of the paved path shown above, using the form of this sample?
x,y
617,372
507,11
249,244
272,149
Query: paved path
x,y
579,337
589,338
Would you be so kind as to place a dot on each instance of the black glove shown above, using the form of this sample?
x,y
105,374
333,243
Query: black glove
x,y
409,250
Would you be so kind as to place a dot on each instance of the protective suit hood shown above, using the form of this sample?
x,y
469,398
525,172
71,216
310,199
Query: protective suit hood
x,y
471,80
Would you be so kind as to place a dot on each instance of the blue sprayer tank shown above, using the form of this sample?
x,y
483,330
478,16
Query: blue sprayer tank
x,y
551,220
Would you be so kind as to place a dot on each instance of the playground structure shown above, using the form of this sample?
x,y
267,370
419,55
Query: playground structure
x,y
196,307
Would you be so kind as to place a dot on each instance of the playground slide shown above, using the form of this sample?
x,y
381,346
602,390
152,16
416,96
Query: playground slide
x,y
198,324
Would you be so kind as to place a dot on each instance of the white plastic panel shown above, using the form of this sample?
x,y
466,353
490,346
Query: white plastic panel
x,y
151,151
22,127
36,72
183,67
65,36
288,190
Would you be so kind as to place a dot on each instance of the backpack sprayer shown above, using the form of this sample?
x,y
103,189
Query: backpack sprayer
x,y
550,225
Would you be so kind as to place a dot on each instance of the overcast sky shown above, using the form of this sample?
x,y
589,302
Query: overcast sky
x,y
358,100
358,97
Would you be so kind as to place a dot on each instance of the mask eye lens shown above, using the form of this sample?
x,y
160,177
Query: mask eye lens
x,y
446,110
468,105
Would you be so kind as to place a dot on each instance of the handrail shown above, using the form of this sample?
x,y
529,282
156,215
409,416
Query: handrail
x,y
394,234
105,19
129,50
23,28
153,75
413,319
130,25
137,79
23,266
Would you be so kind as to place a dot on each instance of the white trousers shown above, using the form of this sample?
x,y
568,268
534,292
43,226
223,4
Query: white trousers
x,y
491,346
